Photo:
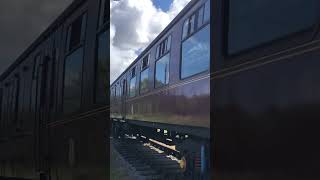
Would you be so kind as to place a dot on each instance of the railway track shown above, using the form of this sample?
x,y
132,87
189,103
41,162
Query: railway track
x,y
147,161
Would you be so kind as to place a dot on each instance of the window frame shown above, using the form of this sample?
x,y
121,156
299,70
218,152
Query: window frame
x,y
114,92
196,27
264,49
69,52
142,69
196,30
167,50
142,61
101,14
157,58
118,90
155,71
131,76
111,93
124,87
17,87
5,105
148,89
83,35
64,73
36,63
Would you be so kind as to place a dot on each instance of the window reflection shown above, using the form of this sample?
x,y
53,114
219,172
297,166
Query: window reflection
x,y
162,71
73,81
192,22
200,16
252,22
196,53
144,80
76,32
185,28
133,87
207,11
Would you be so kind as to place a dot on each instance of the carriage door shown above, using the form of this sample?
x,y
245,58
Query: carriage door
x,y
123,98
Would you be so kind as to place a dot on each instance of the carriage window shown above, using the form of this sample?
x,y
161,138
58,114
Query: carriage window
x,y
168,43
4,105
118,91
144,76
145,61
36,64
76,32
163,47
196,53
103,14
191,24
115,92
16,97
144,80
185,28
188,26
53,76
162,71
200,16
253,23
206,11
133,72
132,87
124,87
73,81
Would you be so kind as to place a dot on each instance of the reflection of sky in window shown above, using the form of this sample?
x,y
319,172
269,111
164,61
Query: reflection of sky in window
x,y
196,53
144,80
207,11
132,87
162,69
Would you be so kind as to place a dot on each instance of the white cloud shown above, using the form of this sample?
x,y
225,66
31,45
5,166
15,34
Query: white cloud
x,y
134,24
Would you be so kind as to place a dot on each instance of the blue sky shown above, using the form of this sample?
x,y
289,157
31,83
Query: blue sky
x,y
163,4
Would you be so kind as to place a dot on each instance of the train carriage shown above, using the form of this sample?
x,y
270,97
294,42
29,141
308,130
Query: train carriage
x,y
54,110
164,95
264,90
253,64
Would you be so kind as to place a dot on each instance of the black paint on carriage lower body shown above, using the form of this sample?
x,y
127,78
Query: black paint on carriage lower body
x,y
266,121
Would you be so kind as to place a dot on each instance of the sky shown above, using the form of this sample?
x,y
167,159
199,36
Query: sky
x,y
134,24
21,23
163,4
